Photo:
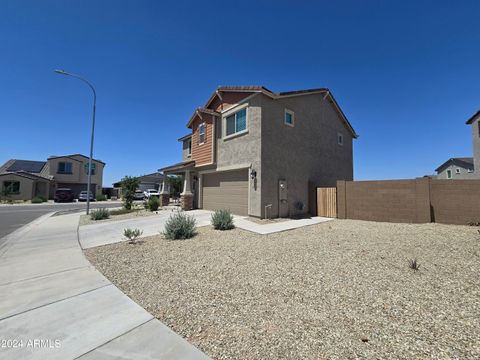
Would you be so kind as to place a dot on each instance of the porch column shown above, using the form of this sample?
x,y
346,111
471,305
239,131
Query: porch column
x,y
165,194
186,197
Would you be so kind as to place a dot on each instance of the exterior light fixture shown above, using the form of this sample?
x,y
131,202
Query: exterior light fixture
x,y
253,174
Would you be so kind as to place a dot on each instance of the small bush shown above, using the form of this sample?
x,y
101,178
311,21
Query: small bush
x,y
180,226
101,197
37,200
132,235
153,203
222,220
412,264
99,214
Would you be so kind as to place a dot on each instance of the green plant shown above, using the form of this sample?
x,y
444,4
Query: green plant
x,y
101,197
37,200
132,235
99,214
222,220
175,185
129,185
153,203
180,226
412,263
6,192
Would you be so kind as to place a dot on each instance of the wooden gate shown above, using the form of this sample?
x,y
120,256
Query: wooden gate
x,y
327,202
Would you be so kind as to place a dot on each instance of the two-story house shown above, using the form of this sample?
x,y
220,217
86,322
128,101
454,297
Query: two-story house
x,y
464,168
257,152
26,179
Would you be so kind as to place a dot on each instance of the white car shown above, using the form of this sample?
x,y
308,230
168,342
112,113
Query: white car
x,y
151,192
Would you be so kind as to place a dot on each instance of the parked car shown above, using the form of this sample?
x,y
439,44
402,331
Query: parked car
x,y
64,195
83,196
139,195
151,192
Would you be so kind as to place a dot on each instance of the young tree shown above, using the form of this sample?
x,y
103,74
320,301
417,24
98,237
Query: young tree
x,y
129,185
6,192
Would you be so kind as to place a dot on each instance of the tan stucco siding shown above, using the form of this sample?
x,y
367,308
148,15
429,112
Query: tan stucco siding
x,y
79,175
26,186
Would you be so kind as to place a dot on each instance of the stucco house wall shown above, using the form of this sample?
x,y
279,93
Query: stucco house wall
x,y
476,146
464,174
243,150
29,188
308,151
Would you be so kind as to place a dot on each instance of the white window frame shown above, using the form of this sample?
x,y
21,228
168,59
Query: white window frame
x,y
457,171
230,113
287,111
340,139
200,126
449,173
189,147
470,171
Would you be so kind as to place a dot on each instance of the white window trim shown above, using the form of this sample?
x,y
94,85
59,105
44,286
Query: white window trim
x,y
470,171
229,113
457,171
204,133
449,171
340,136
189,147
287,111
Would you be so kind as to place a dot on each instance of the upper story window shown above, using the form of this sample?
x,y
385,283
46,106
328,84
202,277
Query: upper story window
x,y
236,123
340,139
289,118
449,174
11,187
201,133
64,168
478,129
189,144
470,170
94,168
457,171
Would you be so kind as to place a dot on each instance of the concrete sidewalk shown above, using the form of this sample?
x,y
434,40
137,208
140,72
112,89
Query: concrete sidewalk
x,y
55,305
110,232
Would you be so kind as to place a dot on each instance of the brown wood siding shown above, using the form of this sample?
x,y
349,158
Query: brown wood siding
x,y
202,153
226,190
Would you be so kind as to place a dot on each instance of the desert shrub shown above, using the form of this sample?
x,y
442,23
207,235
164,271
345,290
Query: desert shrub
x,y
153,203
129,185
180,226
99,214
37,200
101,197
222,220
412,264
132,235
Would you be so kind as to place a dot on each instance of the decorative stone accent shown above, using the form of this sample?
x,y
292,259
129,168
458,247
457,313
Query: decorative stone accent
x,y
164,199
186,201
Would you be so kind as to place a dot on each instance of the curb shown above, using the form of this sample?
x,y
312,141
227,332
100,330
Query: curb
x,y
21,232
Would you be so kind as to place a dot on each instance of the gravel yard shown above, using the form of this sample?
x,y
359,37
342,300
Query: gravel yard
x,y
336,290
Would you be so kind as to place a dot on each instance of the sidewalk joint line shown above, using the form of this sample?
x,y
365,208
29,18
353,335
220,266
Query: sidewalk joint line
x,y
44,275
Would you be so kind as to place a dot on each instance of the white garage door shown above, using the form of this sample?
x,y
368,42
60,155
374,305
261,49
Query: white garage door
x,y
226,190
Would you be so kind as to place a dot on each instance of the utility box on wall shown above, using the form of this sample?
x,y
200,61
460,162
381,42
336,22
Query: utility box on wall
x,y
282,198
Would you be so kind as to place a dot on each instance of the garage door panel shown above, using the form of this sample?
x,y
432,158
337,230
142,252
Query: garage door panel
x,y
226,190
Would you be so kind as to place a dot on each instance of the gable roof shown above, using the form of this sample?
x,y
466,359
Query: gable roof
x,y
472,118
466,162
72,157
276,95
201,110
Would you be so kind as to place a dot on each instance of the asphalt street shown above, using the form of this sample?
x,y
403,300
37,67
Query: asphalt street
x,y
13,217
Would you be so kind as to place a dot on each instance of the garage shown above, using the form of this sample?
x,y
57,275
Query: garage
x,y
226,190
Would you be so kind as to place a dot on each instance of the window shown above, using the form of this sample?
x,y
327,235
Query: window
x,y
289,118
340,139
201,133
11,187
449,174
478,129
457,171
236,123
94,167
64,168
189,147
470,170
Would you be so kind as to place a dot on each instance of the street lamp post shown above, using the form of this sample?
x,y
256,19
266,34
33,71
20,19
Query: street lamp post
x,y
89,182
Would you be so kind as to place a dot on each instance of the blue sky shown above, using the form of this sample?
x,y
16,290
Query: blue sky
x,y
406,74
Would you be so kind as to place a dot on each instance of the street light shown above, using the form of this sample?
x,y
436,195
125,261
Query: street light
x,y
63,72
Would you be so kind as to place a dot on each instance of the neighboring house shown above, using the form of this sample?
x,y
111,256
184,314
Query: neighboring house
x,y
34,178
254,151
466,167
149,181
456,168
